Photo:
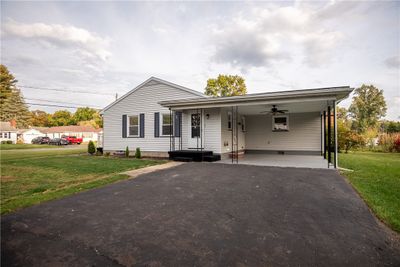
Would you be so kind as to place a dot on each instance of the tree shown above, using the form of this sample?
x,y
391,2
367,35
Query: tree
x,y
61,118
84,114
13,106
347,138
367,107
39,118
7,83
226,85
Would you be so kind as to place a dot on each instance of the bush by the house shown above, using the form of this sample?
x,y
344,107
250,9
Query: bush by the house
x,y
91,148
107,154
138,154
127,152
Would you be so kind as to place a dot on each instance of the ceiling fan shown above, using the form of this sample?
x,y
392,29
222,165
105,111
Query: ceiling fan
x,y
274,110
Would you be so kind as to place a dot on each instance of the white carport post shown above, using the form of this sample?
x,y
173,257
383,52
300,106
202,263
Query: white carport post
x,y
336,136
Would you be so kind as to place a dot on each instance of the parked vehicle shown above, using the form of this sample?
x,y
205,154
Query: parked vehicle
x,y
58,141
41,140
73,139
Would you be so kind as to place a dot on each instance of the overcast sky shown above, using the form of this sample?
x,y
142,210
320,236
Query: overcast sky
x,y
110,48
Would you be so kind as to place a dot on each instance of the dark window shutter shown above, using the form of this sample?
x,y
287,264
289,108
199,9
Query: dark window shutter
x,y
142,125
124,126
178,123
157,124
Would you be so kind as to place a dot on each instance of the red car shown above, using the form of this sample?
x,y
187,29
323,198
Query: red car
x,y
73,139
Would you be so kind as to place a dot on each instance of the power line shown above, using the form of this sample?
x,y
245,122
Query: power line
x,y
63,90
60,102
50,105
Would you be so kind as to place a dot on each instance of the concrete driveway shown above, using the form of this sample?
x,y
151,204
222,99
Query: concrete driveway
x,y
202,214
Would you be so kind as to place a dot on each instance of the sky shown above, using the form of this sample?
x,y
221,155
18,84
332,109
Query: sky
x,y
108,48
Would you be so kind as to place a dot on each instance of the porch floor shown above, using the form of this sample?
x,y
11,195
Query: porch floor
x,y
297,161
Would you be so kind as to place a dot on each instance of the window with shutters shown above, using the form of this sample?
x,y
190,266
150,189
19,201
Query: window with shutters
x,y
166,124
133,126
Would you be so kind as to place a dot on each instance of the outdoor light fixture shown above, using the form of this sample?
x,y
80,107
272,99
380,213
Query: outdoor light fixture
x,y
208,116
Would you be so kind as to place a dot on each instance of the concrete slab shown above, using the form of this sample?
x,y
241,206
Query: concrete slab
x,y
296,161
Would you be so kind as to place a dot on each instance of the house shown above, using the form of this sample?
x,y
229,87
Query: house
x,y
26,135
8,132
88,133
166,119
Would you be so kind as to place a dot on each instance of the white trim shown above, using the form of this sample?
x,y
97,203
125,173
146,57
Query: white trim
x,y
196,93
333,93
128,125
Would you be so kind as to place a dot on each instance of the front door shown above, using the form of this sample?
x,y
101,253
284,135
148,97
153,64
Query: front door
x,y
195,134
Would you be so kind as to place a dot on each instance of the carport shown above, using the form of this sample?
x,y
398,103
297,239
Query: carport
x,y
289,129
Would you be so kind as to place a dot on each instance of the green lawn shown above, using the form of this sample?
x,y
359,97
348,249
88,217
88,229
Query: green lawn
x,y
376,177
24,146
31,177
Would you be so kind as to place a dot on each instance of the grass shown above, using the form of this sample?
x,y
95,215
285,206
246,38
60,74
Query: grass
x,y
24,146
31,177
376,177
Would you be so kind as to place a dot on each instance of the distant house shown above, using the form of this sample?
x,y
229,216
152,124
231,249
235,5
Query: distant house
x,y
88,133
8,132
26,135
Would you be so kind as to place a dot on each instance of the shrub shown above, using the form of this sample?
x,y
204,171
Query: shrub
x,y
138,154
9,142
107,154
91,148
389,142
127,152
3,142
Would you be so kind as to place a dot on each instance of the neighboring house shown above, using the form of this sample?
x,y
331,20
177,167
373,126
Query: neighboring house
x,y
26,135
160,117
8,132
88,133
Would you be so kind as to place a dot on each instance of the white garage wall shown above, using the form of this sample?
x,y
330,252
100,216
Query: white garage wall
x,y
304,133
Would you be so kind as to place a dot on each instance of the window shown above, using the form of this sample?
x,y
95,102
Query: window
x,y
1,135
229,120
133,125
195,125
5,135
280,123
166,125
243,124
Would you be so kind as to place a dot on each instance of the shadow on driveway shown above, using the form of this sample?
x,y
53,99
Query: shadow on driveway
x,y
205,215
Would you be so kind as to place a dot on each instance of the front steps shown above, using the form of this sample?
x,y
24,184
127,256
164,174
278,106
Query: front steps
x,y
193,155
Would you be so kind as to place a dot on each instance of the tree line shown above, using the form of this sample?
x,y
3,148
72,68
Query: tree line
x,y
14,108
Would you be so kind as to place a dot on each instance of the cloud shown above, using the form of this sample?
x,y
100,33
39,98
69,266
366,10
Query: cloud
x,y
266,36
393,62
86,43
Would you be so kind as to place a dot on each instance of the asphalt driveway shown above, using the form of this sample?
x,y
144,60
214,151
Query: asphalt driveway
x,y
204,214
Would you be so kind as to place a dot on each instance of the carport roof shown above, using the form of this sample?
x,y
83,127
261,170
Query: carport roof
x,y
318,94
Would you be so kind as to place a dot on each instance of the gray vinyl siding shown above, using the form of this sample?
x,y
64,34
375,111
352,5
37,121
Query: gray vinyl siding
x,y
304,133
143,100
